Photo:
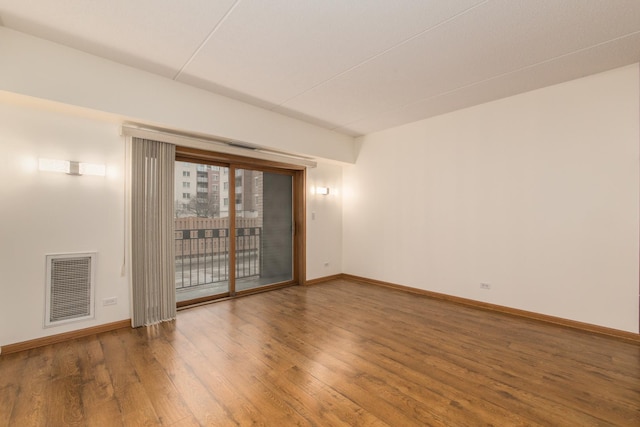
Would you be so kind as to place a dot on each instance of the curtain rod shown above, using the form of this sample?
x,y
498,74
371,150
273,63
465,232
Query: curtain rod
x,y
219,145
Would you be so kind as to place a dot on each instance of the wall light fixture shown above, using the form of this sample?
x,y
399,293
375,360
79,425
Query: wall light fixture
x,y
71,167
322,190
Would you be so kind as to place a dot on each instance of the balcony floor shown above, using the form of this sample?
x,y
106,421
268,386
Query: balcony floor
x,y
200,291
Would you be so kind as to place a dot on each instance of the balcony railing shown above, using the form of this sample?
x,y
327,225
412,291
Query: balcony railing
x,y
202,255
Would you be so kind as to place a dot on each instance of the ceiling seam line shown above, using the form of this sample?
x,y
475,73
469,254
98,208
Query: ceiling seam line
x,y
206,40
492,78
377,55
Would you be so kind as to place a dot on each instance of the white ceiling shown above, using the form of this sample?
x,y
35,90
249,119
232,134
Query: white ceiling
x,y
356,66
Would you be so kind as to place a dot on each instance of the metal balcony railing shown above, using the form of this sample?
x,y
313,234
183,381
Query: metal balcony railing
x,y
202,255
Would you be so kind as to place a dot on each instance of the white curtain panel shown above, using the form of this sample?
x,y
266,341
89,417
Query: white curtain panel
x,y
152,232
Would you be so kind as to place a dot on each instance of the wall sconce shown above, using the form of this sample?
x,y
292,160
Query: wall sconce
x,y
71,167
322,190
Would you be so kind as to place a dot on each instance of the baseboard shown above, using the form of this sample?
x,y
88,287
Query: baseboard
x,y
584,327
54,339
323,279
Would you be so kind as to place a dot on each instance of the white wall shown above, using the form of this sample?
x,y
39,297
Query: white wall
x,y
536,195
48,71
324,221
43,213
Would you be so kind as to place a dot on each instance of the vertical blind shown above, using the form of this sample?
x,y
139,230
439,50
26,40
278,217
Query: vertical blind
x,y
152,227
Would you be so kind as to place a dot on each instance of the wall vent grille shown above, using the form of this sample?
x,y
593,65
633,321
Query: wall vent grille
x,y
70,290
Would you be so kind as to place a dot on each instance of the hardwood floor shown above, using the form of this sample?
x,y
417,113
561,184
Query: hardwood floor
x,y
338,353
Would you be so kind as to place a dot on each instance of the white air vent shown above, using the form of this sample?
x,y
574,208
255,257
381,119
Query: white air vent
x,y
70,279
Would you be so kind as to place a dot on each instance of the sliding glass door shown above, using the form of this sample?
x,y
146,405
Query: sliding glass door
x,y
263,228
202,227
234,229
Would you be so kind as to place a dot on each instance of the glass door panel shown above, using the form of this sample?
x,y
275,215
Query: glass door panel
x,y
263,228
201,231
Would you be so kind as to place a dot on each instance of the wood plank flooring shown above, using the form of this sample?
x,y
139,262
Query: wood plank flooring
x,y
335,354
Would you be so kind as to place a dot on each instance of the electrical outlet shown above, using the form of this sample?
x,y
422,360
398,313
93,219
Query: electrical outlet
x,y
110,301
485,286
